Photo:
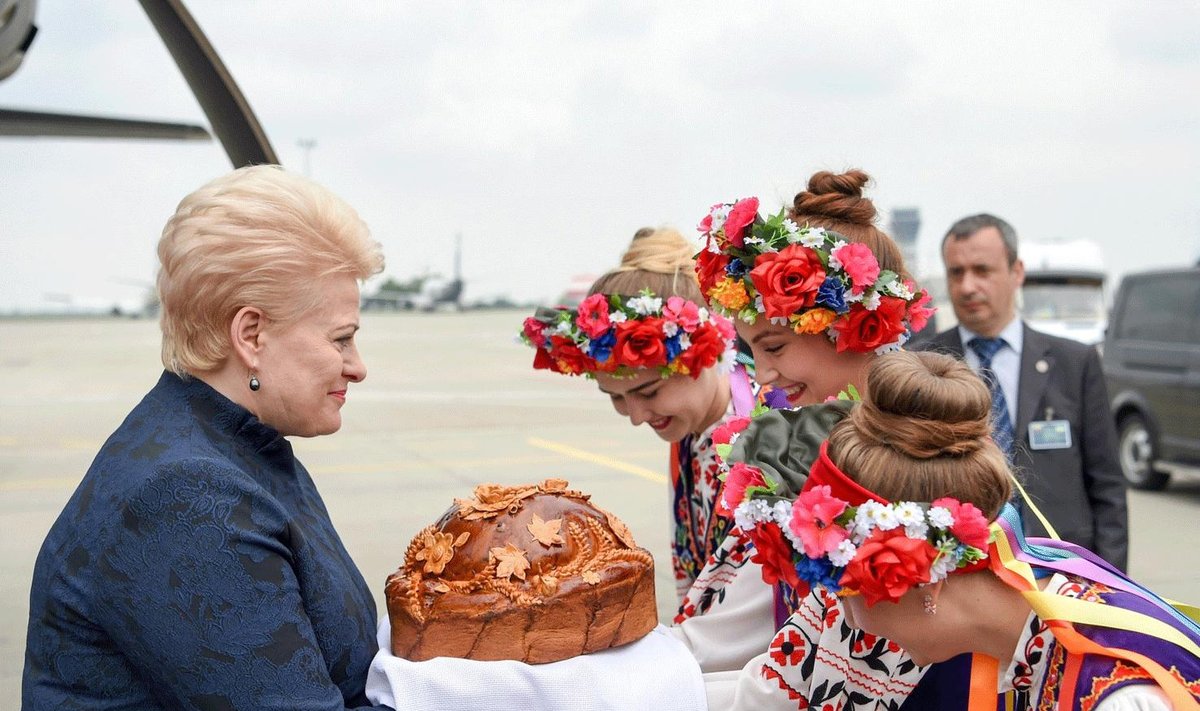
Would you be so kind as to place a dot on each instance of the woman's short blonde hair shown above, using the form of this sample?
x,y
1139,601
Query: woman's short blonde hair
x,y
259,236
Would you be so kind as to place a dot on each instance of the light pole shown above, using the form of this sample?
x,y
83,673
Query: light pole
x,y
307,145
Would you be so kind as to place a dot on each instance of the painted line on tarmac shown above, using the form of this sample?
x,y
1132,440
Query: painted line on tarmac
x,y
569,451
64,482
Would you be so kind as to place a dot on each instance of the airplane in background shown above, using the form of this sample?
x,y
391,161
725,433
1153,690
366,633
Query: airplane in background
x,y
224,105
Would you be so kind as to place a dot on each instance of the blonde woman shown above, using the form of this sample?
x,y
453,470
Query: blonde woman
x,y
196,566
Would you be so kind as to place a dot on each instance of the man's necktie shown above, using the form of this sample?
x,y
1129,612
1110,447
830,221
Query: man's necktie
x,y
1002,425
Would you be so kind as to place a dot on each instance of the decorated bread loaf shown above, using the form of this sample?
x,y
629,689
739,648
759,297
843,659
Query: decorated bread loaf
x,y
531,573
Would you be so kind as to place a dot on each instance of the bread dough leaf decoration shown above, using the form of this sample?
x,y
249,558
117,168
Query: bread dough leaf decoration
x,y
439,550
590,577
510,561
546,532
621,530
440,587
553,485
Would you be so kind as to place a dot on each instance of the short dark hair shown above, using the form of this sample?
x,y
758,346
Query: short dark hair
x,y
968,226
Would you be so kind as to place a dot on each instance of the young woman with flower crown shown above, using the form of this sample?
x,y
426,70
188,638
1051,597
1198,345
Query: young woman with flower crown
x,y
664,360
819,293
903,515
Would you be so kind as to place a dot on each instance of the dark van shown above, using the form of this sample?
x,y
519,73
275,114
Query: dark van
x,y
1152,367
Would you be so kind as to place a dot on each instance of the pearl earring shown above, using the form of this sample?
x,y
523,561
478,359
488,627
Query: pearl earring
x,y
254,384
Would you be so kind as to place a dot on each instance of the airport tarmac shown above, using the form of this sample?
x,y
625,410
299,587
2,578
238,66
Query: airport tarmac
x,y
450,401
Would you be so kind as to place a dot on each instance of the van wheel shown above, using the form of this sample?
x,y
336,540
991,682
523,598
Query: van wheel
x,y
1137,451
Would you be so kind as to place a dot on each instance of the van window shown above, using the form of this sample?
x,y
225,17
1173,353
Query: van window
x,y
1161,309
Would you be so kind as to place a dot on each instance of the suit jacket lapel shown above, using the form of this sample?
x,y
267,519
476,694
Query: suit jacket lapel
x,y
1034,349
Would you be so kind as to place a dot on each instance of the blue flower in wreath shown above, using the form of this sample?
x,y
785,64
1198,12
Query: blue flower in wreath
x,y
832,295
818,572
601,347
674,348
736,268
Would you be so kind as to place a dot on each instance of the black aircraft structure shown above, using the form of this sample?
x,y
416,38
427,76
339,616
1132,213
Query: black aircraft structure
x,y
224,105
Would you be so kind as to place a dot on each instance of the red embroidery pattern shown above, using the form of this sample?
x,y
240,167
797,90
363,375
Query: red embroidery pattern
x,y
792,694
874,685
787,649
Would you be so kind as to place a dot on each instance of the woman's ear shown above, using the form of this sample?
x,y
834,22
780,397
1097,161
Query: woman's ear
x,y
246,334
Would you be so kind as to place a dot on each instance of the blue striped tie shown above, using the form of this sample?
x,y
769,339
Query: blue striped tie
x,y
1002,425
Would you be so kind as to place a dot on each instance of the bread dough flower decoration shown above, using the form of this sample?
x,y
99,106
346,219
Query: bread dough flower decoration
x,y
810,279
610,333
439,550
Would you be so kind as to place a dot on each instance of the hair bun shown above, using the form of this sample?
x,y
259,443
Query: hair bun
x,y
662,251
925,405
836,196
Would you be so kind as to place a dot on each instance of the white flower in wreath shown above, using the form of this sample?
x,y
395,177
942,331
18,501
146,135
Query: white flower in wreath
x,y
702,315
750,513
872,301
563,328
843,554
617,317
942,567
813,237
909,513
900,289
685,342
792,230
781,511
940,517
645,305
670,328
885,518
864,518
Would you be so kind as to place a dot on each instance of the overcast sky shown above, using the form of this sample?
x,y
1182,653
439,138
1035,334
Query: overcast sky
x,y
547,133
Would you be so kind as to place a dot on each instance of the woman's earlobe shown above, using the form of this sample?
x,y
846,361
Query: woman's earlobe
x,y
245,334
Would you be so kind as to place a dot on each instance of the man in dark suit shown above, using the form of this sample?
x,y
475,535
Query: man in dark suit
x,y
1050,407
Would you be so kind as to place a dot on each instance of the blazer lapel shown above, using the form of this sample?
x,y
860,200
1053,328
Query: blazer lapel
x,y
1036,363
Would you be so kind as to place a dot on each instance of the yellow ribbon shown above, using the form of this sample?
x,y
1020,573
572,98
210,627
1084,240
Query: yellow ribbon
x,y
1053,608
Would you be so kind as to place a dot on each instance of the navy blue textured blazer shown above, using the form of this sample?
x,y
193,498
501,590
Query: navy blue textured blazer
x,y
196,567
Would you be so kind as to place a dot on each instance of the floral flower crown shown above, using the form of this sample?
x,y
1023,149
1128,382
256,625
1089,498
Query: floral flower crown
x,y
616,334
808,278
840,536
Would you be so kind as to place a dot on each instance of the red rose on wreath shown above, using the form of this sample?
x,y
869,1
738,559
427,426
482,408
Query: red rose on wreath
x,y
569,358
543,361
707,346
774,554
788,280
888,564
640,343
710,269
740,217
535,331
863,331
